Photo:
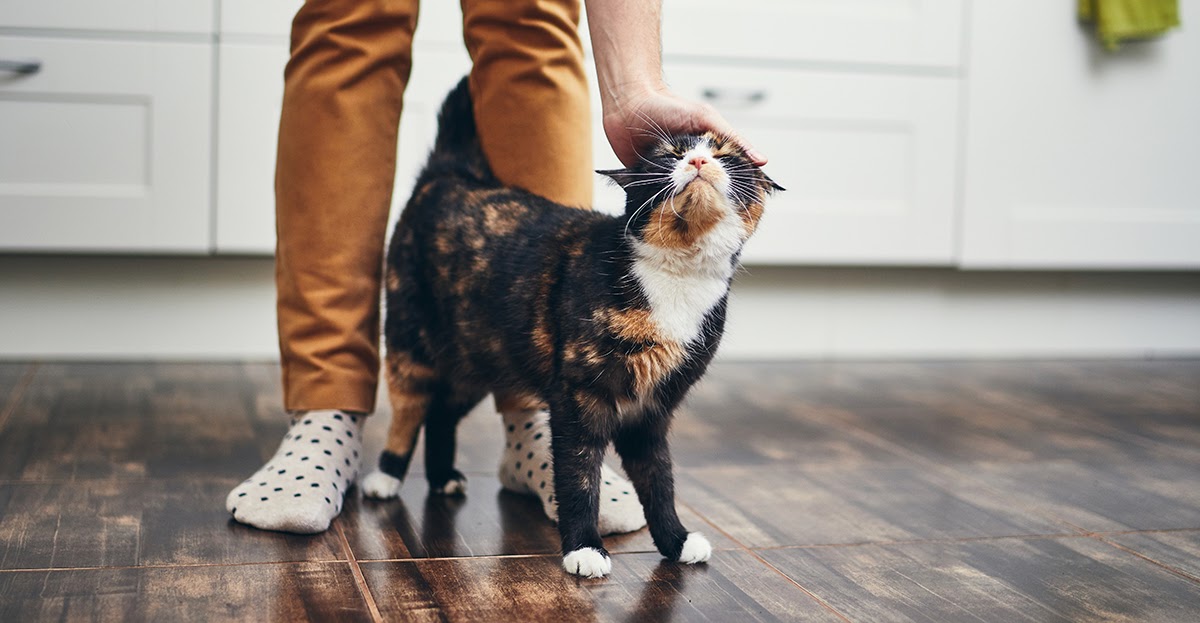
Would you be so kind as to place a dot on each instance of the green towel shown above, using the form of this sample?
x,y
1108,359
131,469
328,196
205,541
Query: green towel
x,y
1122,20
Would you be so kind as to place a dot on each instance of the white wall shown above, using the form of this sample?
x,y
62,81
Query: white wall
x,y
214,308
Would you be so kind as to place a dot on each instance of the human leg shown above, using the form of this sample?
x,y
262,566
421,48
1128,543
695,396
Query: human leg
x,y
343,93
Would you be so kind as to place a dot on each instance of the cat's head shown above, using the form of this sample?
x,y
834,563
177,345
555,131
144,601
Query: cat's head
x,y
686,186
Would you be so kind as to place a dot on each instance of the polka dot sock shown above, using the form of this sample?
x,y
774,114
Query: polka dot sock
x,y
526,469
301,488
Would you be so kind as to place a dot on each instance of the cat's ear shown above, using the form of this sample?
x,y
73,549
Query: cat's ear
x,y
622,177
770,182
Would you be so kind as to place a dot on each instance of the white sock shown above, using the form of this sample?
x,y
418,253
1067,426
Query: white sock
x,y
301,488
527,468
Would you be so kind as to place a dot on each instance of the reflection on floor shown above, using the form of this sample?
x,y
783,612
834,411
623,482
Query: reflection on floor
x,y
986,491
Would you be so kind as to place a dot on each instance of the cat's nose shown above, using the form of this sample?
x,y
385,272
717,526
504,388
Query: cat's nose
x,y
698,161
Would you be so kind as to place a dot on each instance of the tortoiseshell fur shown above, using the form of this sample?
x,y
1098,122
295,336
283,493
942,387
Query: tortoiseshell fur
x,y
493,289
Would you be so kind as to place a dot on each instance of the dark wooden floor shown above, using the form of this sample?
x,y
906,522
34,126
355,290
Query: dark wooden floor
x,y
1003,492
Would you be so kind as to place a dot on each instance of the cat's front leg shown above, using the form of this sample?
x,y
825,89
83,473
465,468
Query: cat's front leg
x,y
578,454
647,461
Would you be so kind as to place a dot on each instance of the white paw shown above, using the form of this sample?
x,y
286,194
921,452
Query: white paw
x,y
380,486
587,562
454,486
695,549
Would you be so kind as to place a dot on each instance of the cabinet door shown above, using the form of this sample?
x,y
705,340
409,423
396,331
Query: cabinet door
x,y
868,160
251,90
1077,157
439,21
249,93
107,147
147,16
884,32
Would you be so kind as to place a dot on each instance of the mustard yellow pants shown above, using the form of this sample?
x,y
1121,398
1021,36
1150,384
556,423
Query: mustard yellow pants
x,y
344,88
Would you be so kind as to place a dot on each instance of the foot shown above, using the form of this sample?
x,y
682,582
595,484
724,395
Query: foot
x,y
301,488
588,562
453,483
695,549
380,486
526,468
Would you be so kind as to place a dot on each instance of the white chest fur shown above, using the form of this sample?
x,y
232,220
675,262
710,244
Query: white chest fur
x,y
683,286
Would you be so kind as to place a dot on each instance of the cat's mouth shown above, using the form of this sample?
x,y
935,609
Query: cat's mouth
x,y
706,175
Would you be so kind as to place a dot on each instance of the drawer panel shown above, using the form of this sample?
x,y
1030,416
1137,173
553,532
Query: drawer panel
x,y
251,90
258,17
107,147
439,20
886,32
173,16
868,160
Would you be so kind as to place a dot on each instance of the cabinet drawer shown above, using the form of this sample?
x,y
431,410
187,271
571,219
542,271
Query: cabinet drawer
x,y
868,161
173,16
887,32
258,17
251,91
107,147
439,20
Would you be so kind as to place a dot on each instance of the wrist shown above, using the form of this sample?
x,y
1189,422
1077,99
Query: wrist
x,y
626,95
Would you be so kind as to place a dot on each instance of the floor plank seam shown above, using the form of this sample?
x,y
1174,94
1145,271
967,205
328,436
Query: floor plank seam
x,y
763,561
18,392
359,580
1179,572
1020,407
516,556
824,604
186,565
945,470
966,539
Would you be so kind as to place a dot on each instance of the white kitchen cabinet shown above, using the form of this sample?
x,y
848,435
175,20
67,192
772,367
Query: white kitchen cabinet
x,y
1077,157
106,147
924,33
141,16
438,21
258,18
251,90
252,55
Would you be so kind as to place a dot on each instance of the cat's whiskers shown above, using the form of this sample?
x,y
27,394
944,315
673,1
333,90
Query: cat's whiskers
x,y
656,180
657,165
633,216
661,133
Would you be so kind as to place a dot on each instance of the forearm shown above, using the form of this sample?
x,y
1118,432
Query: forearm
x,y
626,43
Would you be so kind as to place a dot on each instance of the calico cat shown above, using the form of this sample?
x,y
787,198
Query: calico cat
x,y
607,320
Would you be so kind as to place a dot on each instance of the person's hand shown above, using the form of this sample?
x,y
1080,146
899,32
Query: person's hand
x,y
633,122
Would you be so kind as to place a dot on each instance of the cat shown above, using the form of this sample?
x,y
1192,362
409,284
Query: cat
x,y
608,320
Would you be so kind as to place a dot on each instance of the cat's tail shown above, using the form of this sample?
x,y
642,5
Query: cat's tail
x,y
457,150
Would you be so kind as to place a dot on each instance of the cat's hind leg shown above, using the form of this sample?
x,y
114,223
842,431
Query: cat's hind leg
x,y
447,406
410,385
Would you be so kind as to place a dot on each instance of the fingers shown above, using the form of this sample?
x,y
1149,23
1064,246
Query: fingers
x,y
717,123
628,130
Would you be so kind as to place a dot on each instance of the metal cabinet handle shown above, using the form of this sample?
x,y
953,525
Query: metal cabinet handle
x,y
22,66
734,97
